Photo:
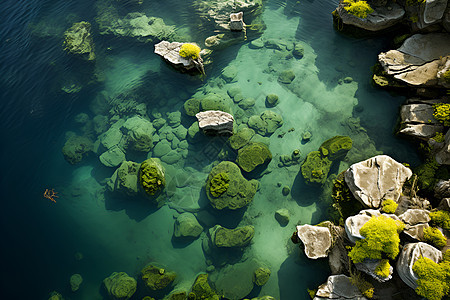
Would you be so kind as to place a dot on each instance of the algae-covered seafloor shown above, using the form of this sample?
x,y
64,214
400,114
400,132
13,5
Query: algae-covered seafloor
x,y
99,225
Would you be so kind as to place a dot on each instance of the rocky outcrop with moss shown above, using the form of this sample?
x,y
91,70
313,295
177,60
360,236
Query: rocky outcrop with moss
x,y
76,148
78,41
235,193
157,278
232,238
151,176
253,156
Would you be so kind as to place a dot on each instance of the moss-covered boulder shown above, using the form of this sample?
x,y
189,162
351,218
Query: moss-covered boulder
x,y
157,278
216,102
239,192
76,148
120,286
241,138
151,176
192,107
232,238
336,147
315,168
261,276
253,155
125,179
202,290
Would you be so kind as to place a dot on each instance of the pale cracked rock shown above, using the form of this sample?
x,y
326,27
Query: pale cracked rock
x,y
354,223
409,255
316,239
376,179
171,53
416,221
215,122
419,60
338,287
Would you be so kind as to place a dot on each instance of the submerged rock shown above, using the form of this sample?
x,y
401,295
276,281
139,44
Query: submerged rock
x,y
232,238
241,138
375,179
272,100
282,216
214,122
202,290
157,278
186,225
261,276
266,123
120,286
234,192
78,40
75,282
253,156
338,287
315,168
152,176
113,157
76,148
125,179
336,147
316,239
286,77
139,132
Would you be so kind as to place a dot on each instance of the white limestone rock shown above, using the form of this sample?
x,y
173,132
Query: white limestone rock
x,y
316,239
376,179
409,255
215,122
338,287
443,155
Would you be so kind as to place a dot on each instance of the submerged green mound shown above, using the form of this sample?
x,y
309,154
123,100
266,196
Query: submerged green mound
x,y
151,176
239,193
336,147
253,155
315,168
120,286
202,290
157,278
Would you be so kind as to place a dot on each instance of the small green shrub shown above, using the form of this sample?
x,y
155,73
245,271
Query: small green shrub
x,y
190,51
381,237
434,236
434,279
439,137
441,218
357,8
365,287
442,113
389,206
446,76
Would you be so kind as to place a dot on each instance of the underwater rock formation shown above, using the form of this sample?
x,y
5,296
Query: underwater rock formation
x,y
78,41
76,148
409,255
120,286
75,282
186,225
336,147
151,176
232,238
266,123
215,122
261,276
138,132
202,290
239,192
157,278
338,287
125,179
282,215
253,156
315,168
316,239
421,61
375,179
241,138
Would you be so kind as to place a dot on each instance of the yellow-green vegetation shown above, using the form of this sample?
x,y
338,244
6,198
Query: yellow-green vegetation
x,y
381,239
344,202
188,50
202,290
315,168
442,113
365,287
357,8
383,268
414,2
389,206
151,176
336,147
312,293
219,184
439,137
434,236
253,156
426,174
157,278
441,218
446,76
434,279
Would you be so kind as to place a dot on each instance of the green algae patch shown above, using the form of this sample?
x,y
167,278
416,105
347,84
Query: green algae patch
x,y
389,206
120,286
252,156
219,184
434,279
315,168
336,147
151,176
157,278
240,191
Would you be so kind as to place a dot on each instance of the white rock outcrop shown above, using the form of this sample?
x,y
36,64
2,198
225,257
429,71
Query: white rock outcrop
x,y
338,287
316,239
215,122
376,179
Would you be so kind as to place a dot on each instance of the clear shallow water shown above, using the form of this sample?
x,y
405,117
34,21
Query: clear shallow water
x,y
40,238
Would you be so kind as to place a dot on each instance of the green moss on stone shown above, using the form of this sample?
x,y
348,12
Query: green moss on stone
x,y
253,155
441,218
389,206
192,107
434,236
202,290
219,184
157,278
315,168
336,147
434,279
151,176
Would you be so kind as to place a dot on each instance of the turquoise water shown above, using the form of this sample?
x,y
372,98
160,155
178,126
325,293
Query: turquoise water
x,y
115,233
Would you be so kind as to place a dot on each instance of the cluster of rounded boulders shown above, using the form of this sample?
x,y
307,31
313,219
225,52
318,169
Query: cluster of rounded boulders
x,y
409,255
240,191
316,239
157,278
375,179
232,238
252,156
120,286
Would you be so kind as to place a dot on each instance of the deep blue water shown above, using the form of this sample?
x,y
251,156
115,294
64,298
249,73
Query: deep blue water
x,y
39,239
